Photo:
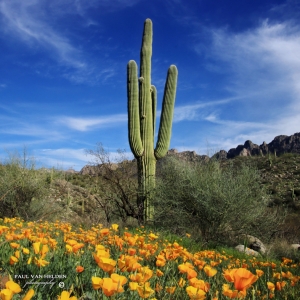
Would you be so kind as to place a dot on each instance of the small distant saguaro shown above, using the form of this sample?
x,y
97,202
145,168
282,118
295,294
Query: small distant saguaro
x,y
142,101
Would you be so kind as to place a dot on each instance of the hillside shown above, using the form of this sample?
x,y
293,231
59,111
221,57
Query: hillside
x,y
86,197
279,174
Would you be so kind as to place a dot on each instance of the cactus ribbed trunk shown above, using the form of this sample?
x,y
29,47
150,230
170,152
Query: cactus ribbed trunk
x,y
142,101
146,176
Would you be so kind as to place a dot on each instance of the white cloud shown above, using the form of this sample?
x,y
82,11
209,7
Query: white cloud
x,y
32,130
37,24
189,112
62,158
265,59
82,6
26,19
65,158
261,67
85,124
78,154
229,134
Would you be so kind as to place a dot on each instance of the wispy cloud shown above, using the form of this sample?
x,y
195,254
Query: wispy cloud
x,y
261,67
30,130
7,109
263,59
85,124
73,158
189,112
25,19
37,23
227,134
82,5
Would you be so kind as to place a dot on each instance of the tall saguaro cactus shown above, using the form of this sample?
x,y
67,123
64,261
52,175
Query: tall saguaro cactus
x,y
141,120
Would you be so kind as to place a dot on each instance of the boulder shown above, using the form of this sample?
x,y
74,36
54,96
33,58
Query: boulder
x,y
295,247
255,244
246,250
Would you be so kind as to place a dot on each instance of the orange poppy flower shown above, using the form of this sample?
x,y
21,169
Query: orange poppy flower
x,y
145,290
79,269
243,279
195,293
29,294
209,271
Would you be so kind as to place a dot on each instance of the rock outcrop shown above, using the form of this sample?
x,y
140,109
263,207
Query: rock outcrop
x,y
281,144
190,156
96,170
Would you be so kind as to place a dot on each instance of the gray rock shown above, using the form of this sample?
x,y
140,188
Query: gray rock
x,y
246,250
295,246
245,152
221,155
255,244
281,144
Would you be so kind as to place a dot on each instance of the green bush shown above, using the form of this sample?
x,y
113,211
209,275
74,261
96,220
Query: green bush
x,y
282,248
216,204
20,183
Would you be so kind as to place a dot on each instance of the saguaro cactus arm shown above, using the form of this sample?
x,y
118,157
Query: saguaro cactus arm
x,y
145,94
133,110
165,126
146,54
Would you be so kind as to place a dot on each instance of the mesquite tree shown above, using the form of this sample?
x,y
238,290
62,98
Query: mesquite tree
x,y
142,98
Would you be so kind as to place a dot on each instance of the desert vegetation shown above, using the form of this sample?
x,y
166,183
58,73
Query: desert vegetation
x,y
87,228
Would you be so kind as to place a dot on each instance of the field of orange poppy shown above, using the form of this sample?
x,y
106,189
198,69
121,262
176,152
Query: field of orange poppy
x,y
54,261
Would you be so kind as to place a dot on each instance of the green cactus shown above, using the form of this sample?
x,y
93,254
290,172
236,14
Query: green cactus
x,y
141,120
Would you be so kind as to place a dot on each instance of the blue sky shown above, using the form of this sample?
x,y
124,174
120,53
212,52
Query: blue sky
x,y
63,73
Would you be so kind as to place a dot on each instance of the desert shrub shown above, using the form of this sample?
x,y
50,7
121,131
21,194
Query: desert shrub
x,y
20,183
280,248
117,190
218,204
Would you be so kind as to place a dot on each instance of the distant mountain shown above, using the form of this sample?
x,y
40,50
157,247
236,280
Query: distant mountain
x,y
281,144
94,170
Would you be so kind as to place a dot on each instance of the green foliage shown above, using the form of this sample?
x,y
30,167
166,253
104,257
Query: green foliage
x,y
218,204
282,248
20,184
30,193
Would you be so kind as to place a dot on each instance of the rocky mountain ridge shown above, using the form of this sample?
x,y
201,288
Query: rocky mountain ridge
x,y
281,144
